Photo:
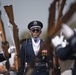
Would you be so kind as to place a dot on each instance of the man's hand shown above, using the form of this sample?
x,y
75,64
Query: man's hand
x,y
59,41
56,41
11,49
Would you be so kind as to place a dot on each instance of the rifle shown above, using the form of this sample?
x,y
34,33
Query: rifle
x,y
52,30
65,18
61,7
9,11
56,65
51,19
5,44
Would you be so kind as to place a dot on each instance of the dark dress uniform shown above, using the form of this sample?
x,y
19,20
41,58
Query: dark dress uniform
x,y
68,52
38,63
2,58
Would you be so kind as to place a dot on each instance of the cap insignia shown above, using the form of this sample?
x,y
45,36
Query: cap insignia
x,y
35,23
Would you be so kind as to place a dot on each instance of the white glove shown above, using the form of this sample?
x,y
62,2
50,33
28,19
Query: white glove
x,y
56,41
67,31
11,49
59,41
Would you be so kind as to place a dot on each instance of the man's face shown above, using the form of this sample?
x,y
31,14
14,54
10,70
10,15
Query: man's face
x,y
35,32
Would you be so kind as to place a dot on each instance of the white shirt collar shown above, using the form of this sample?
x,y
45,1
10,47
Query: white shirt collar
x,y
36,45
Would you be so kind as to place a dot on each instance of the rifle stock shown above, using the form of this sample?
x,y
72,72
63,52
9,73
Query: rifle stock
x,y
5,44
61,9
51,20
2,31
9,11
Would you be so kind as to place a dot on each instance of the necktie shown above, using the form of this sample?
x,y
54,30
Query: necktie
x,y
35,40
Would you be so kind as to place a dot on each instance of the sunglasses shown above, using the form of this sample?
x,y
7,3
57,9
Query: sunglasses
x,y
37,30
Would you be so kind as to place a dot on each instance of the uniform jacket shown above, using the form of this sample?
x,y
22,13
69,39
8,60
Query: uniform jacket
x,y
27,54
2,58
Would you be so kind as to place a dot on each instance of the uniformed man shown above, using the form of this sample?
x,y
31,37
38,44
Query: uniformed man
x,y
69,51
29,52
